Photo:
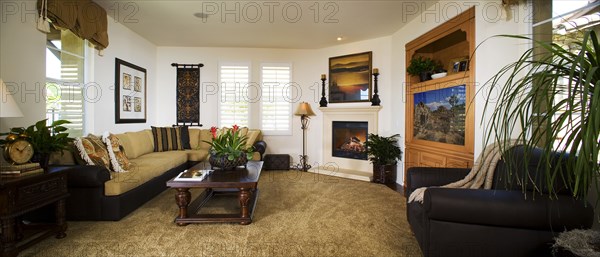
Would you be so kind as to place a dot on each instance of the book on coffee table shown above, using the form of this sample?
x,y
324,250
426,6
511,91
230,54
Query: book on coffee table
x,y
192,175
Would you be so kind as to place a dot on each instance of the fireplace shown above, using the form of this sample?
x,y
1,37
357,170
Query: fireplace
x,y
366,118
348,139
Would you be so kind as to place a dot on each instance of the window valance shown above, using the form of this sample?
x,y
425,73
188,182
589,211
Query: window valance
x,y
84,18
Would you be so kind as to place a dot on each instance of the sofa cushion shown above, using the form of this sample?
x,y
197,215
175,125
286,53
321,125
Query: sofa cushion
x,y
166,139
185,137
143,169
205,135
137,143
93,151
118,160
194,137
197,155
252,137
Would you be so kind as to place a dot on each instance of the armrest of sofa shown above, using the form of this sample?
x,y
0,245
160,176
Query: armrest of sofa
x,y
432,176
507,209
260,146
84,175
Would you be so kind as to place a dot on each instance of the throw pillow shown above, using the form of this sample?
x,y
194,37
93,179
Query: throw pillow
x,y
166,139
93,151
116,152
252,136
185,137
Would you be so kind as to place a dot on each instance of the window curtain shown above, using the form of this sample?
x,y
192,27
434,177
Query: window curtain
x,y
84,18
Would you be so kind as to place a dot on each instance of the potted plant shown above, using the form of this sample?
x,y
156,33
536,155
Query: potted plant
x,y
384,153
44,139
422,67
228,148
552,98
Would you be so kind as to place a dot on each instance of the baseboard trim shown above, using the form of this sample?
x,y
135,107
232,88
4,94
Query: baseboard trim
x,y
400,189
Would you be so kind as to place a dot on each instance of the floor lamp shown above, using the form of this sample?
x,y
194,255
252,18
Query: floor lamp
x,y
304,111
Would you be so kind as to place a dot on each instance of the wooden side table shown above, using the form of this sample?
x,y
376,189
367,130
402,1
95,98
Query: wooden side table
x,y
20,195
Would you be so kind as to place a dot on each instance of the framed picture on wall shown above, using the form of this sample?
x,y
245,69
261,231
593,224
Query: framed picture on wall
x,y
130,92
440,115
350,78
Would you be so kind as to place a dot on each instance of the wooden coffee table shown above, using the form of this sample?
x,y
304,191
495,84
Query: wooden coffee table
x,y
241,181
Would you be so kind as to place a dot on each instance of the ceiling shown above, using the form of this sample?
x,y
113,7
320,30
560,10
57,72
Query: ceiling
x,y
262,24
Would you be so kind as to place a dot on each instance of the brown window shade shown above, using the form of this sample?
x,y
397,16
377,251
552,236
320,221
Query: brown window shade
x,y
84,18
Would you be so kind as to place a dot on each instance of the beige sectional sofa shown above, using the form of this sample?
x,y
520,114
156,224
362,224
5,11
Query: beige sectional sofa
x,y
98,193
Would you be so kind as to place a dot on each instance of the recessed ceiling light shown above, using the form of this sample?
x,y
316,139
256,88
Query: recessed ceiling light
x,y
339,38
201,15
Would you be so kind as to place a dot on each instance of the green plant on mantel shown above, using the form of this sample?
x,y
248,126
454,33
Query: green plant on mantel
x,y
552,98
383,150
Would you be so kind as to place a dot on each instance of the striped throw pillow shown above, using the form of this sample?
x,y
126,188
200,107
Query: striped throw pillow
x,y
166,139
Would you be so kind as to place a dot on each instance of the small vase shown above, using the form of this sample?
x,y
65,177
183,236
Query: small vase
x,y
41,158
223,163
425,76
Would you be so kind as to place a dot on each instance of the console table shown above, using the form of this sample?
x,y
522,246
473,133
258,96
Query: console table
x,y
20,195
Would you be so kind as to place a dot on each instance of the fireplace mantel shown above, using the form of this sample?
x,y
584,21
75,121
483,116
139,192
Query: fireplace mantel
x,y
344,167
351,109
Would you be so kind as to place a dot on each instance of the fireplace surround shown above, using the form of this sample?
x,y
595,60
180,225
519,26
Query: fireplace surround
x,y
360,169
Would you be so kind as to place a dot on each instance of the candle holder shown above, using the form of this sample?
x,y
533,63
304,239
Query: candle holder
x,y
323,102
375,101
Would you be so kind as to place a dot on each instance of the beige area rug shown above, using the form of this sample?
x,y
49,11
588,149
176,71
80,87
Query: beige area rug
x,y
297,214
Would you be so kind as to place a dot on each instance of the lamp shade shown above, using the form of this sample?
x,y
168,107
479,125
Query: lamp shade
x,y
8,106
304,109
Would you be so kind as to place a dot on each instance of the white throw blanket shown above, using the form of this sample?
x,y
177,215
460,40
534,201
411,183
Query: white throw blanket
x,y
481,175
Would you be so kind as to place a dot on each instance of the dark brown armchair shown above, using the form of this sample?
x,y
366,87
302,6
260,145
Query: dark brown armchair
x,y
503,221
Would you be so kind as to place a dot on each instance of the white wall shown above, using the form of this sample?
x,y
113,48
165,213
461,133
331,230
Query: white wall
x,y
22,62
23,67
22,49
304,74
382,49
491,56
130,47
308,65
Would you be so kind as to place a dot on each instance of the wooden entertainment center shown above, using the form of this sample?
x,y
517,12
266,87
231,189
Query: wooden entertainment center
x,y
442,136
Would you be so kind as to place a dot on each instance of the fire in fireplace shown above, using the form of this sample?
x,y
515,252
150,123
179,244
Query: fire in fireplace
x,y
349,139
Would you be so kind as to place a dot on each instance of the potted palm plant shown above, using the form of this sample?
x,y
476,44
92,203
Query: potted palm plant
x,y
552,102
384,153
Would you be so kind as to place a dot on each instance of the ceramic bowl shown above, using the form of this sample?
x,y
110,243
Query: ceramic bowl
x,y
438,75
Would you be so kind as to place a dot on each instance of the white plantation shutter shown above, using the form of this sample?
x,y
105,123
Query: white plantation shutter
x,y
276,109
68,107
233,105
65,60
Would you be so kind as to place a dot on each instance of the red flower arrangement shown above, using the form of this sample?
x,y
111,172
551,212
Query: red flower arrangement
x,y
229,143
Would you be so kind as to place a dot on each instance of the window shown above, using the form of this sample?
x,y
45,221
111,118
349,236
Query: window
x,y
233,105
560,22
64,79
276,108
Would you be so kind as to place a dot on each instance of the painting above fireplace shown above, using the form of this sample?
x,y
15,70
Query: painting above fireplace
x,y
348,139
